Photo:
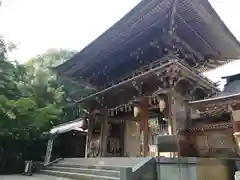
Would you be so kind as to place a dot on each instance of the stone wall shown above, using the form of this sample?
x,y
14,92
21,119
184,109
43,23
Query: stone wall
x,y
237,175
193,169
176,169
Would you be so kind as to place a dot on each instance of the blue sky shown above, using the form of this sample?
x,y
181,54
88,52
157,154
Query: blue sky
x,y
37,25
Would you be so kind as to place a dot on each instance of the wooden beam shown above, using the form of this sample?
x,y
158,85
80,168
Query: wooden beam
x,y
127,82
197,34
188,47
172,16
81,85
152,72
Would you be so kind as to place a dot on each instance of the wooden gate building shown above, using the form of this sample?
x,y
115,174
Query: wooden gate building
x,y
144,71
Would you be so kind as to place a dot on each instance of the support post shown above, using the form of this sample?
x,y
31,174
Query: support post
x,y
172,120
104,135
144,124
170,128
236,128
89,136
173,114
49,149
122,138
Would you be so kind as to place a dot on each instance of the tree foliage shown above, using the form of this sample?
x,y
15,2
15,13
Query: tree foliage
x,y
31,99
31,102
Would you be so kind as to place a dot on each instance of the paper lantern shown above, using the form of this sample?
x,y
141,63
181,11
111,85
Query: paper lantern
x,y
161,105
136,111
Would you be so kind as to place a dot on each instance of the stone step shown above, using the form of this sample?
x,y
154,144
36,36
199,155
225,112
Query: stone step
x,y
86,166
100,172
109,161
45,177
77,176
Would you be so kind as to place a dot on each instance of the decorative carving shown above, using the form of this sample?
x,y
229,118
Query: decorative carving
x,y
173,73
170,77
219,126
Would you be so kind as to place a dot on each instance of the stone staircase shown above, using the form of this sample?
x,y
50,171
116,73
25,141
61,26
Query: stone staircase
x,y
92,168
81,172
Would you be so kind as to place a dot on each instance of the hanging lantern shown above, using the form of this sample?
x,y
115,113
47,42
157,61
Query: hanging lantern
x,y
121,109
161,104
129,108
136,111
150,101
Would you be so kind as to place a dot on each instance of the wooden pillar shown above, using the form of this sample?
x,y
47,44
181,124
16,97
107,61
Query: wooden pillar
x,y
170,129
173,112
172,120
89,136
144,124
184,143
122,138
236,128
104,135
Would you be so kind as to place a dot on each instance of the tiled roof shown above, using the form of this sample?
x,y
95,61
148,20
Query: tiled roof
x,y
196,23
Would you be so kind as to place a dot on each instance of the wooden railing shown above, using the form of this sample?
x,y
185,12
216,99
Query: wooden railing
x,y
160,129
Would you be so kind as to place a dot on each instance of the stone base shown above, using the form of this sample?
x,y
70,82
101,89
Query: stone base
x,y
237,175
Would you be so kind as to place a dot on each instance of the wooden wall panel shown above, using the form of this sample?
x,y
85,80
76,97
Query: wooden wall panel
x,y
211,169
132,139
215,143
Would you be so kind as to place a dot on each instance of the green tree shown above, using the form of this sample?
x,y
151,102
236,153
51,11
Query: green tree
x,y
31,102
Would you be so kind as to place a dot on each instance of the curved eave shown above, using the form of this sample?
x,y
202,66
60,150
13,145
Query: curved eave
x,y
69,126
211,66
221,24
147,75
216,101
223,43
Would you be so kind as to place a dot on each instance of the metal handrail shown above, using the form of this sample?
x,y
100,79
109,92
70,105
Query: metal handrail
x,y
53,162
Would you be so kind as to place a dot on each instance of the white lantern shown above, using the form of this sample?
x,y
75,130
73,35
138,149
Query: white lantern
x,y
136,111
161,104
